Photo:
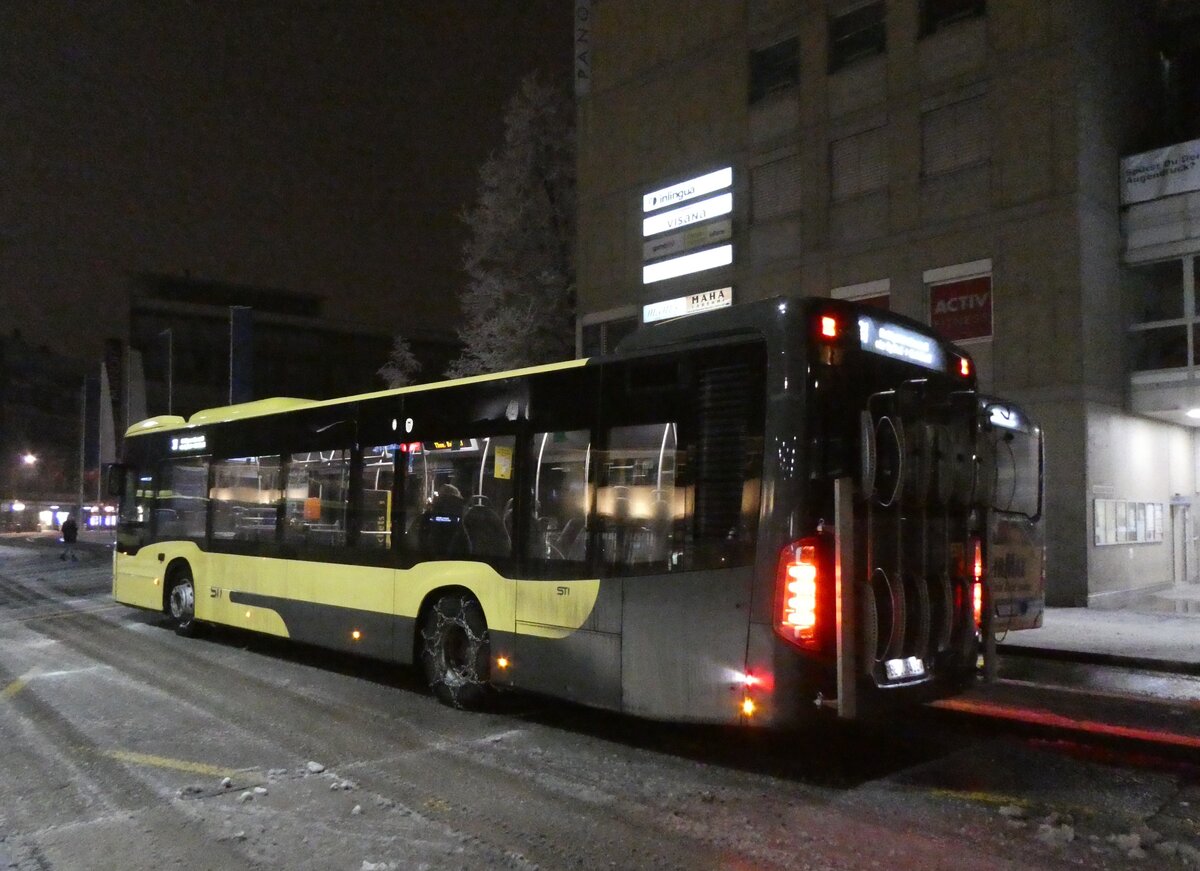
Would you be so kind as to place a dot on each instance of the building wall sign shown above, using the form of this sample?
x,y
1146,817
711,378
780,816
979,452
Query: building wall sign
x,y
962,310
709,258
583,47
693,213
688,190
692,304
686,240
684,236
1160,173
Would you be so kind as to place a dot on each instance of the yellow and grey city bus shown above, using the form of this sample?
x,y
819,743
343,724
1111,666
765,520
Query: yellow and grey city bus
x,y
742,516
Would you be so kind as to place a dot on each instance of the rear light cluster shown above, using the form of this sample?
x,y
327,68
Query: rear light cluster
x,y
977,584
798,579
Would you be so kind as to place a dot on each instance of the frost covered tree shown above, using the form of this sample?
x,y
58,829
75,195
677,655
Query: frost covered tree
x,y
402,364
519,302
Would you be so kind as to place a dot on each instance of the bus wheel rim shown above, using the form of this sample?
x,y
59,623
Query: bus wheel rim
x,y
183,601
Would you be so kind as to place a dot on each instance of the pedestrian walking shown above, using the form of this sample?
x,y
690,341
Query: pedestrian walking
x,y
70,532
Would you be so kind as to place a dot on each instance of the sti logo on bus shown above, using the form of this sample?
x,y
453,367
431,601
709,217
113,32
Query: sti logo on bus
x,y
900,343
189,443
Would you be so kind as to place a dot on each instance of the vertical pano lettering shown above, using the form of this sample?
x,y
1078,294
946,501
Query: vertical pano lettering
x,y
583,47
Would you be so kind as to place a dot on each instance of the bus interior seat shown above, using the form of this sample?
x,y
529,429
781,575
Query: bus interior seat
x,y
485,532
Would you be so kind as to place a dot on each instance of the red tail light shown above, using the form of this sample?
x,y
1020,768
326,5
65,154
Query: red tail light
x,y
798,579
829,326
977,584
964,366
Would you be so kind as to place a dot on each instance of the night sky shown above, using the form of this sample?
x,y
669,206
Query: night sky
x,y
327,148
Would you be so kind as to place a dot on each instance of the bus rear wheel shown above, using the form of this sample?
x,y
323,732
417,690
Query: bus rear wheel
x,y
455,651
181,604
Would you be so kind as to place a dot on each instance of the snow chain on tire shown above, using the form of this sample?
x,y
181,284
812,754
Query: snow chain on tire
x,y
456,650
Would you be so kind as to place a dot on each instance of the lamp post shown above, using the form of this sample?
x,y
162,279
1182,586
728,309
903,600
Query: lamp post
x,y
29,464
170,367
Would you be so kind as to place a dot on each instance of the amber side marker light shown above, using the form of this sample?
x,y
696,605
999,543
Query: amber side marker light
x,y
748,707
356,635
502,662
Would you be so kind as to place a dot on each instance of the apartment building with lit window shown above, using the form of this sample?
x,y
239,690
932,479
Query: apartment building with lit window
x,y
1019,174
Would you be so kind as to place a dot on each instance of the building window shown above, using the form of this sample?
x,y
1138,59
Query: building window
x,y
858,164
601,333
1161,298
936,14
874,293
858,33
960,301
954,137
775,189
774,68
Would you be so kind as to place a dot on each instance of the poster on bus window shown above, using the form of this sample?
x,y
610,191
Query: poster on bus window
x,y
1016,573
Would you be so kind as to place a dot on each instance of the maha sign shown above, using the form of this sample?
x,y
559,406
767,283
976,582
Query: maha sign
x,y
961,310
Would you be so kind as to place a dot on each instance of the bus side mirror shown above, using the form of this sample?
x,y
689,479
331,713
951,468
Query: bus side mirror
x,y
114,480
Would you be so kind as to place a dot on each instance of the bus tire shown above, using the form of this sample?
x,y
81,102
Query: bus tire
x,y
456,651
181,603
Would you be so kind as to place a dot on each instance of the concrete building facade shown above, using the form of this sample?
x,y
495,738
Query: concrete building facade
x,y
958,161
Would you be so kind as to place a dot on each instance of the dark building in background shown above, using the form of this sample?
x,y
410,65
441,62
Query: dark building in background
x,y
205,343
40,413
1023,176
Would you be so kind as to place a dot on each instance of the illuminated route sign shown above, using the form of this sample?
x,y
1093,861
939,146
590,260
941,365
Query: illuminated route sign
x,y
900,343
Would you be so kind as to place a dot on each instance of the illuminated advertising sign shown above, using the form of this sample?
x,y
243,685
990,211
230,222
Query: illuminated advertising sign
x,y
686,240
688,190
709,258
692,304
900,343
675,219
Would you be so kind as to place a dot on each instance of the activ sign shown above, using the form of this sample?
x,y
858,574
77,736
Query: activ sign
x,y
962,310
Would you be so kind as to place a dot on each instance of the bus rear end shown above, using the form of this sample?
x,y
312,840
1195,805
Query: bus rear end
x,y
918,518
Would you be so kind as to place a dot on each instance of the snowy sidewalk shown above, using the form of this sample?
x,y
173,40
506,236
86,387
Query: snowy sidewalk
x,y
1171,641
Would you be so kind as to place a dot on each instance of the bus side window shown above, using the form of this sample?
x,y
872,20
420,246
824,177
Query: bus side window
x,y
456,494
376,479
561,496
246,493
181,500
137,502
317,499
641,508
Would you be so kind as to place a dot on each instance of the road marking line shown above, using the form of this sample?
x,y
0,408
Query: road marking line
x,y
981,797
13,688
1059,721
165,762
56,614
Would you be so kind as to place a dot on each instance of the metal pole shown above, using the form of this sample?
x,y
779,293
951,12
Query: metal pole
x,y
82,445
170,368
